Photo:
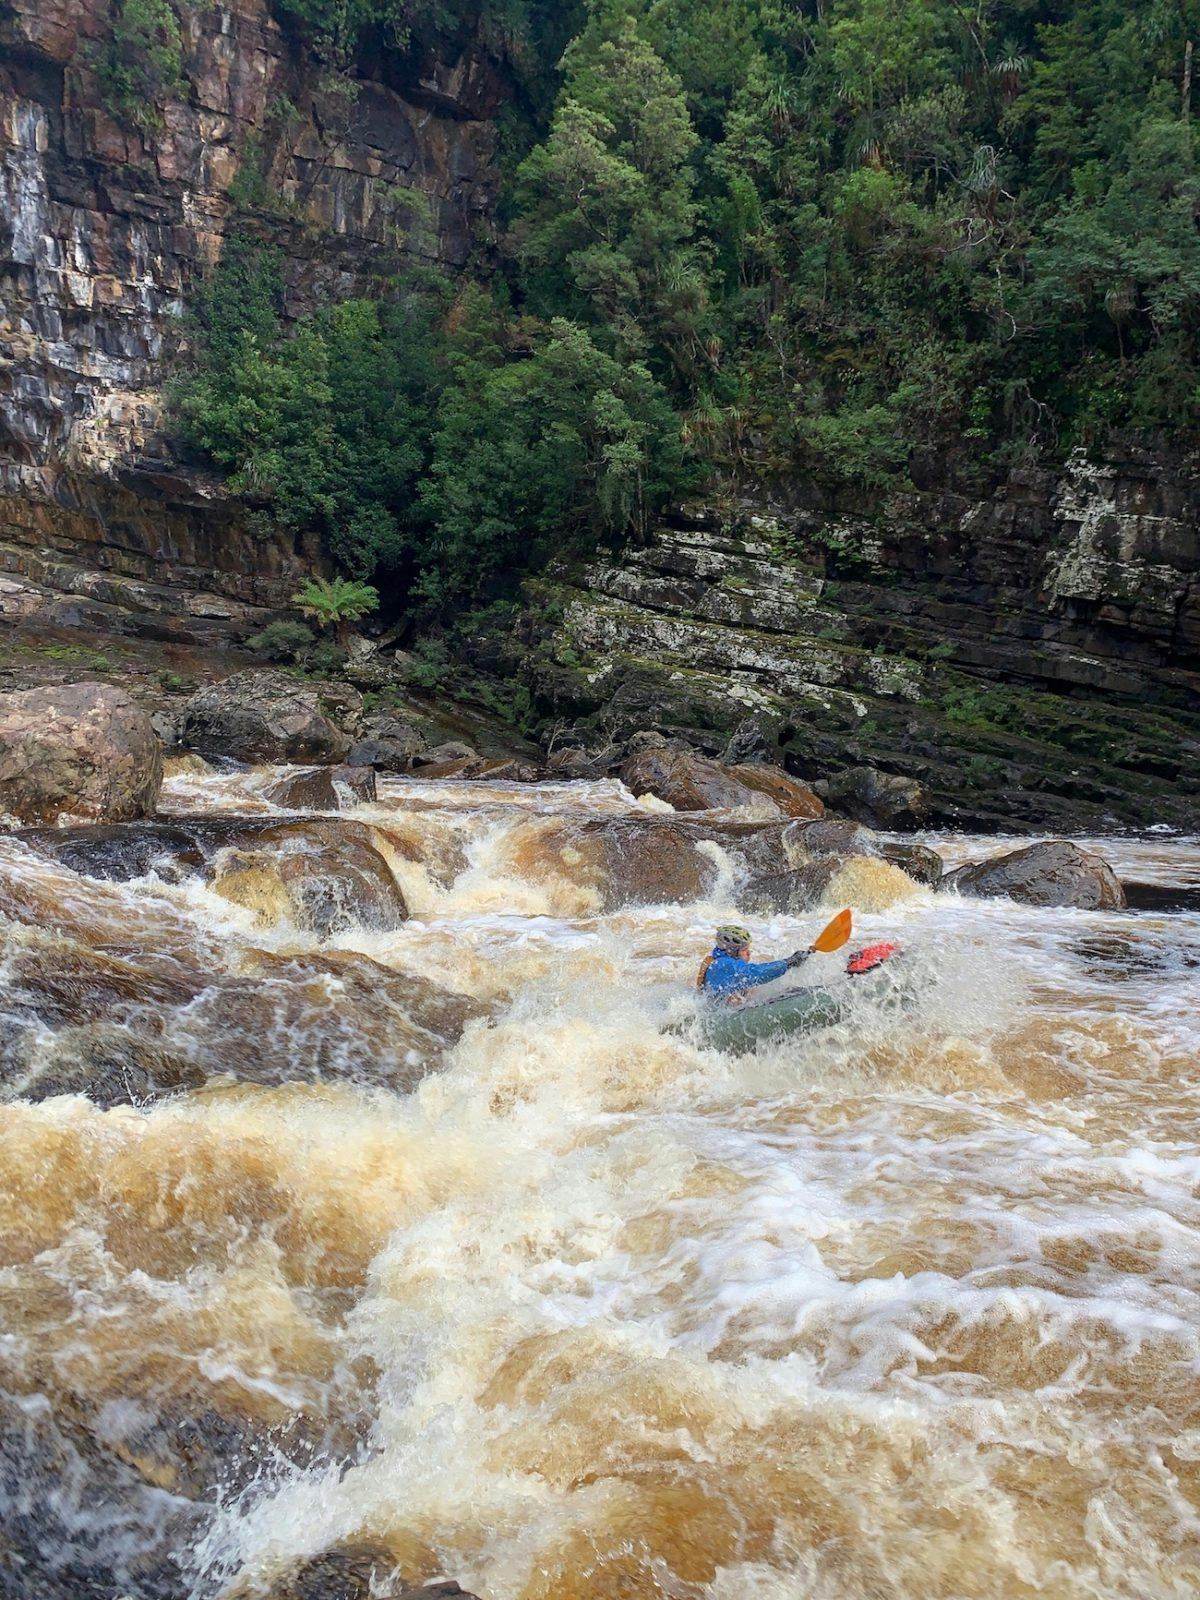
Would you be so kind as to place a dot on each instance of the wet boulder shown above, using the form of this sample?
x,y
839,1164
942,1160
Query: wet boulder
x,y
79,1522
451,751
794,799
324,878
687,781
1052,873
637,860
109,1064
265,716
325,789
328,1017
880,799
838,836
82,749
793,890
118,854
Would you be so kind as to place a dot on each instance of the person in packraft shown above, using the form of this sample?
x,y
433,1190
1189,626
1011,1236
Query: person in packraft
x,y
728,974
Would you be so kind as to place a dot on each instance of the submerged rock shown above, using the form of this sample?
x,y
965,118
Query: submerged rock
x,y
325,878
356,1572
76,1521
264,716
84,750
332,1017
1053,873
111,1065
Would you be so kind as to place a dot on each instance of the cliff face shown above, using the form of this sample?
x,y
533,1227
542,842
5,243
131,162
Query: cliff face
x,y
104,231
1030,653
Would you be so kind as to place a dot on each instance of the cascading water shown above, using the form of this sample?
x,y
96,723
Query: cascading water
x,y
423,1237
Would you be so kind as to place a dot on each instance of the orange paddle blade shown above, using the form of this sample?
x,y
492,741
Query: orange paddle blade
x,y
835,935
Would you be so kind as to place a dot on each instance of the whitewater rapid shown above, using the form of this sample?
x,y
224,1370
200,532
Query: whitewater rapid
x,y
907,1309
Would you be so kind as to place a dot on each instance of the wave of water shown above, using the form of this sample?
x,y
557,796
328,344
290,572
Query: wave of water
x,y
909,1308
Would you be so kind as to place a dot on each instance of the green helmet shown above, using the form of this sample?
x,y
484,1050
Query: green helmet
x,y
733,938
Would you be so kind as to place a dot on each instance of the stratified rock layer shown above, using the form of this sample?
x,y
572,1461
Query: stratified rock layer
x,y
1026,652
106,229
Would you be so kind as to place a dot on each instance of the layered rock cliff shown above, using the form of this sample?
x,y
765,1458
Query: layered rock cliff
x,y
105,229
1029,651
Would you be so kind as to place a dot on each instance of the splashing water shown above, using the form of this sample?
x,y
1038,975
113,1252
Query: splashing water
x,y
574,1306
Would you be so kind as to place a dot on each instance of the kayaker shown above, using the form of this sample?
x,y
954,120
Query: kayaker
x,y
728,973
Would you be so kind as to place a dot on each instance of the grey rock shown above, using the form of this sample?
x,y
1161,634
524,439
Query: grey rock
x,y
264,716
1052,873
441,755
387,755
880,799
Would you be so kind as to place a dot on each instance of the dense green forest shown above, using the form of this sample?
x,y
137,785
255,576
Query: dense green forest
x,y
739,238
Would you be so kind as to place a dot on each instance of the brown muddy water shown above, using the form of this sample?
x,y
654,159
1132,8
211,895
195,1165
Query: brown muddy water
x,y
573,1307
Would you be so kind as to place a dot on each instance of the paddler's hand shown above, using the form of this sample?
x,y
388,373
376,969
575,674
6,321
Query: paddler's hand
x,y
798,958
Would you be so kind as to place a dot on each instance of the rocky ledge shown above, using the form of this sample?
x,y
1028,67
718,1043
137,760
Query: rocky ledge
x,y
1026,652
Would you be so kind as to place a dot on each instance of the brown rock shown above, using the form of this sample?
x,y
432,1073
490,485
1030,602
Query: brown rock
x,y
1053,873
795,799
685,780
324,878
262,716
465,768
324,789
84,750
641,861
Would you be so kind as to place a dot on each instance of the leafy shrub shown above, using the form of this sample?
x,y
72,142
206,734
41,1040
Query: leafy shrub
x,y
325,660
283,640
140,64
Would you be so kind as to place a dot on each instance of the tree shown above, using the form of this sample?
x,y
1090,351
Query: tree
x,y
539,457
335,603
605,207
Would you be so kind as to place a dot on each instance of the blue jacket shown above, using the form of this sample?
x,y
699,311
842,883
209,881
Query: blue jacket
x,y
731,975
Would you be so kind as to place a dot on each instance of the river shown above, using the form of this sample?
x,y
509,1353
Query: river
x,y
579,1308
